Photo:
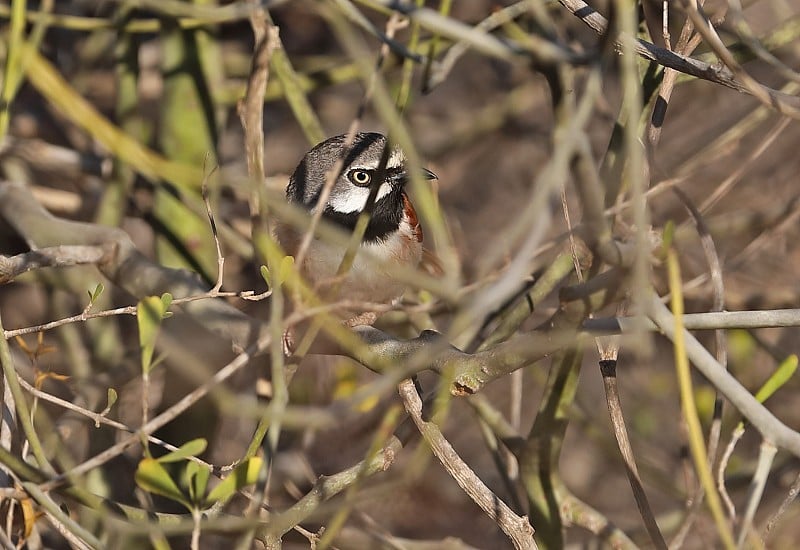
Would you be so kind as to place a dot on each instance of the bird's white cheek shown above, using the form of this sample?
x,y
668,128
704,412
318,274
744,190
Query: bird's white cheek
x,y
356,199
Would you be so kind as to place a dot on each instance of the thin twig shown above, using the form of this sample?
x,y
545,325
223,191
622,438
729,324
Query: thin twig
x,y
213,224
791,496
608,369
766,455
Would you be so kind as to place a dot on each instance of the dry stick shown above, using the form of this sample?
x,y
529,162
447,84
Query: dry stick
x,y
737,434
54,256
744,33
684,47
251,114
781,102
325,488
101,418
517,528
770,318
794,490
85,315
756,490
765,95
213,224
590,189
725,187
608,369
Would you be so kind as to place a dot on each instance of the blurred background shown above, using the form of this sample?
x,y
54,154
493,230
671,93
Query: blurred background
x,y
125,106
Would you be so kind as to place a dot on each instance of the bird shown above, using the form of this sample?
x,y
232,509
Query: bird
x,y
393,237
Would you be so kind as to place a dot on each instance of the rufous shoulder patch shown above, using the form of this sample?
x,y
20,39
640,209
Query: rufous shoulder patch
x,y
413,220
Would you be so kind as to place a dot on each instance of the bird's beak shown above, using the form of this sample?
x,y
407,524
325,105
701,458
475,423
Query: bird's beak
x,y
401,178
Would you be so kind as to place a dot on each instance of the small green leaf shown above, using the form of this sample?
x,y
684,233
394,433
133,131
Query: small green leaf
x,y
166,301
265,274
190,448
781,375
154,478
246,473
197,480
95,294
112,398
150,311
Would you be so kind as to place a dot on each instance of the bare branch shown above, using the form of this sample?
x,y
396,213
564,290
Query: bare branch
x,y
53,256
783,103
769,318
608,369
515,527
772,429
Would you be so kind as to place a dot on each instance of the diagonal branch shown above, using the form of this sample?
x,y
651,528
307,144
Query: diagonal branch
x,y
783,103
770,427
517,528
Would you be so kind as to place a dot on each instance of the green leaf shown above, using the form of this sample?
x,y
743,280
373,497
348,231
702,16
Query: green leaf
x,y
166,301
196,480
95,294
112,398
150,311
246,473
190,448
154,478
782,375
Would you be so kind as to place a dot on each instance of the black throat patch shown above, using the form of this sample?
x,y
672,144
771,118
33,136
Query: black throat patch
x,y
385,220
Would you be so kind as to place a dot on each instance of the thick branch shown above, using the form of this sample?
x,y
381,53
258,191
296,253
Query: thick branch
x,y
469,372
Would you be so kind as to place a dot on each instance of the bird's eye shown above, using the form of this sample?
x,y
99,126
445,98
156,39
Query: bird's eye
x,y
359,177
